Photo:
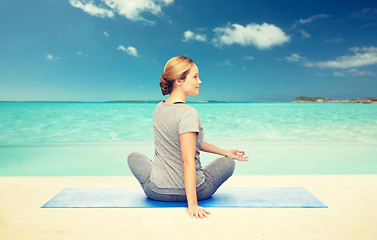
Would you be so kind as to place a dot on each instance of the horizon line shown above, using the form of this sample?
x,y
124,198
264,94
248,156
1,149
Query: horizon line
x,y
190,101
140,101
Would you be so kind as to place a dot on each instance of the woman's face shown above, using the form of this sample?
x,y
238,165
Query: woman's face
x,y
191,85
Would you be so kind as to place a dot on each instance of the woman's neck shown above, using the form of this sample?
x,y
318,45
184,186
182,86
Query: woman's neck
x,y
175,97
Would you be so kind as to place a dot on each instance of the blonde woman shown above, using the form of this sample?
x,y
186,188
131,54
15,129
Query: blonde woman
x,y
176,173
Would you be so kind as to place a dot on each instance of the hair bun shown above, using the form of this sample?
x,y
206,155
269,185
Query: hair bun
x,y
164,85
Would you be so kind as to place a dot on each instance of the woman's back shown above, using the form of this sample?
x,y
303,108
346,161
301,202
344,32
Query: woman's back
x,y
169,121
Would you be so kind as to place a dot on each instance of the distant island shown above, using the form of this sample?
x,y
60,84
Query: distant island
x,y
365,100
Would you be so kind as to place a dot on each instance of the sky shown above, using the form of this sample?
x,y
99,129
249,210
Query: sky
x,y
257,50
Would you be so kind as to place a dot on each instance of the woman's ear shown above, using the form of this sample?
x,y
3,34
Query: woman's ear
x,y
178,82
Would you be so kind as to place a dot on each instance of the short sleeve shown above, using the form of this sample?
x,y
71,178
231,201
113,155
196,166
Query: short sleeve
x,y
189,121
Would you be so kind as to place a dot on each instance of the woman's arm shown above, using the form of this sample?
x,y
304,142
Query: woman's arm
x,y
233,153
188,150
207,147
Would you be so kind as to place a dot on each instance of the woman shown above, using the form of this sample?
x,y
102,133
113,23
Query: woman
x,y
176,173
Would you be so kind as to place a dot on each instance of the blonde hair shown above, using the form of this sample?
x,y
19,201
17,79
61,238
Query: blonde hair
x,y
175,68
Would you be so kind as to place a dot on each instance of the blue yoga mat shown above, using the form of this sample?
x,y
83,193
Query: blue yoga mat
x,y
224,197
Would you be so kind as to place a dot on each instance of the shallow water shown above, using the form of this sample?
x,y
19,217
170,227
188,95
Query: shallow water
x,y
110,159
23,123
94,139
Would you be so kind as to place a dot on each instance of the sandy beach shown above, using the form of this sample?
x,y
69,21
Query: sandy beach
x,y
351,212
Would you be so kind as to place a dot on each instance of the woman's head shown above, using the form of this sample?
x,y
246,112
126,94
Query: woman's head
x,y
177,68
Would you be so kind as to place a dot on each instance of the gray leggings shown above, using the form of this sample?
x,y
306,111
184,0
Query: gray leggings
x,y
216,173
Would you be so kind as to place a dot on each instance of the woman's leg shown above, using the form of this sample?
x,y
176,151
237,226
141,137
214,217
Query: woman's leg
x,y
220,169
216,173
140,166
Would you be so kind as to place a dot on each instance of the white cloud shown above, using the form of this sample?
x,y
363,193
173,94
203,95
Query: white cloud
x,y
250,58
339,74
130,9
365,13
304,34
308,20
129,50
51,57
225,63
106,34
294,58
189,35
362,57
91,9
300,22
80,53
228,63
335,40
121,47
311,19
354,73
262,36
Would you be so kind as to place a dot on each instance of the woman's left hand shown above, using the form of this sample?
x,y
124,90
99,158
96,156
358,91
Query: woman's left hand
x,y
236,154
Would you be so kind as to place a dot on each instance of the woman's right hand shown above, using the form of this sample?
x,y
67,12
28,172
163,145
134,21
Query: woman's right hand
x,y
236,154
198,212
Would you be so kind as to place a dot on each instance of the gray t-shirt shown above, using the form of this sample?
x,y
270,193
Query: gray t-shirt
x,y
169,121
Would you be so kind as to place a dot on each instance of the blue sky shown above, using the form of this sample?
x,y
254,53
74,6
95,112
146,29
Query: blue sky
x,y
245,50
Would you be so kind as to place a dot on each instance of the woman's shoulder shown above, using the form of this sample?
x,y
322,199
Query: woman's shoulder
x,y
175,112
178,109
187,108
187,112
176,106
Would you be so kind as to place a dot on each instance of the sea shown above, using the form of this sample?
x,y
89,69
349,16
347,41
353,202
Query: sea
x,y
25,123
94,139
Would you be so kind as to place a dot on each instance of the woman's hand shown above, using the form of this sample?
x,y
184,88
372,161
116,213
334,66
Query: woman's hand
x,y
197,211
236,154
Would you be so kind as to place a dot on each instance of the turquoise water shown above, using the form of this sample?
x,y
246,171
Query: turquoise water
x,y
94,139
266,158
23,123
